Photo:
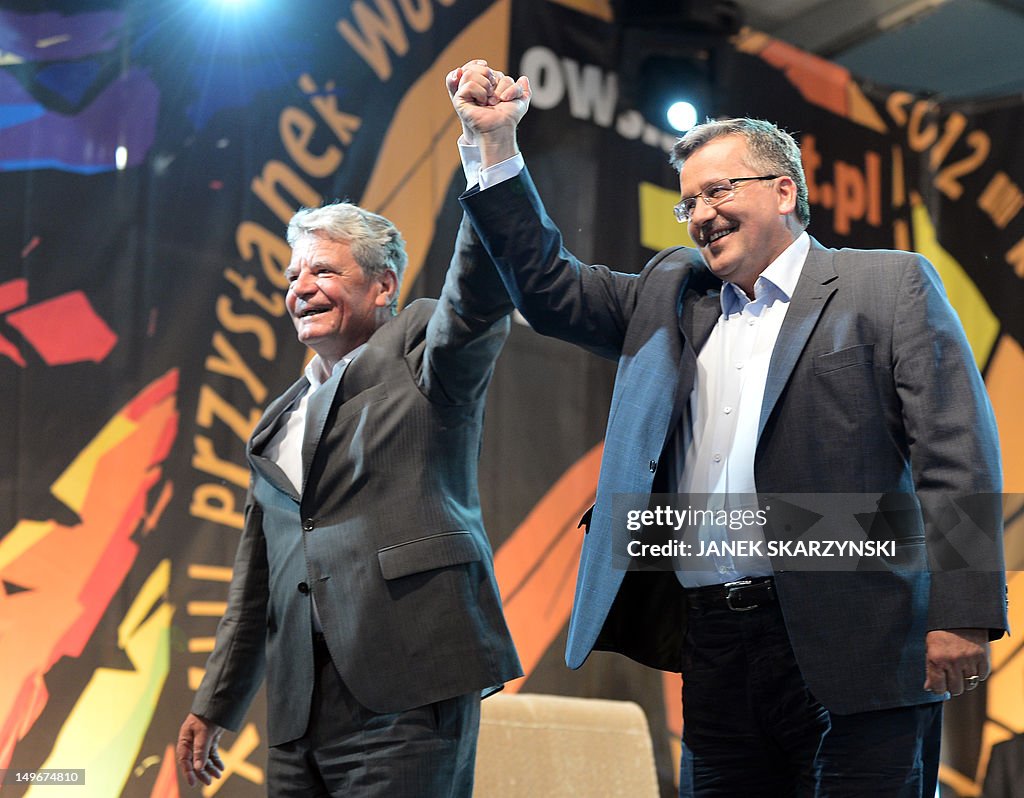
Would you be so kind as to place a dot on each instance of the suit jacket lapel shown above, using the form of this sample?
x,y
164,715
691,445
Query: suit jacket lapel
x,y
700,317
813,289
696,321
265,430
316,419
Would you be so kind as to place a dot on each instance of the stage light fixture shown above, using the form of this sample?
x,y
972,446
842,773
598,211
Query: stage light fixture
x,y
673,84
675,51
682,115
233,7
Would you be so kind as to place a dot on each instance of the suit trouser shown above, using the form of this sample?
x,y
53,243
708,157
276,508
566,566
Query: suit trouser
x,y
347,750
753,728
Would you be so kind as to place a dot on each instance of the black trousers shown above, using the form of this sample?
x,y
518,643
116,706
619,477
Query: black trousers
x,y
752,727
426,752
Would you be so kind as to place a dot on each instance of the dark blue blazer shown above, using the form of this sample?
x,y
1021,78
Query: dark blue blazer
x,y
871,389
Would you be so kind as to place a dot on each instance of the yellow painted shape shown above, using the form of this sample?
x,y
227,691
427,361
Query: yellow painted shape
x,y
23,537
980,323
1003,379
236,761
658,227
1006,684
211,573
104,731
861,110
419,153
201,645
1004,694
154,588
206,609
50,41
73,485
602,9
963,785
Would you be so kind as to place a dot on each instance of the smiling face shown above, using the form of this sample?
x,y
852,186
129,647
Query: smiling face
x,y
334,304
741,236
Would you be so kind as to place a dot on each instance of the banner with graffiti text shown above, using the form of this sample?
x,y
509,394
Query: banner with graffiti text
x,y
151,154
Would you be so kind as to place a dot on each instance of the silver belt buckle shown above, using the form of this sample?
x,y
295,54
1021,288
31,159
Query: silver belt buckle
x,y
733,588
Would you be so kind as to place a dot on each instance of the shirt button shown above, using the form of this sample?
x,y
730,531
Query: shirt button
x,y
717,458
303,588
308,525
739,365
727,410
751,322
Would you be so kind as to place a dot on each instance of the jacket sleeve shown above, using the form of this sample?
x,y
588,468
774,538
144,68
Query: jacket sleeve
x,y
558,295
954,455
468,327
237,665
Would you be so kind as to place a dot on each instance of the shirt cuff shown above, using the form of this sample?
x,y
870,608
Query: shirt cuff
x,y
492,175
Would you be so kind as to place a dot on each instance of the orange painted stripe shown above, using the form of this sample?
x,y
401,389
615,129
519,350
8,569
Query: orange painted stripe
x,y
167,779
536,566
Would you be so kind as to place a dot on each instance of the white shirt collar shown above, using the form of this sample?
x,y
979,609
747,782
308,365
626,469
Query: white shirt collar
x,y
777,281
317,372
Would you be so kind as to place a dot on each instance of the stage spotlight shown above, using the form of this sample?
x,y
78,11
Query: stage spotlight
x,y
235,9
674,50
679,79
682,115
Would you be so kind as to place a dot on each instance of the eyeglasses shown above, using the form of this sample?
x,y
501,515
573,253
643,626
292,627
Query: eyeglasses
x,y
713,195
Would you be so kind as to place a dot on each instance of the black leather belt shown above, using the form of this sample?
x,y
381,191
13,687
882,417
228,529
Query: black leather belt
x,y
739,596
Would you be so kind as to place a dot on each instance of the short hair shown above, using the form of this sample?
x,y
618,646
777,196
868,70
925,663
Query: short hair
x,y
771,150
374,241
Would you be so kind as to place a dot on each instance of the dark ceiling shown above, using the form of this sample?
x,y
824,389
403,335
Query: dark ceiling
x,y
952,49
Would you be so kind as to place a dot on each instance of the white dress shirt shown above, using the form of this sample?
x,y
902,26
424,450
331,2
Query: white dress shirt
x,y
285,446
717,439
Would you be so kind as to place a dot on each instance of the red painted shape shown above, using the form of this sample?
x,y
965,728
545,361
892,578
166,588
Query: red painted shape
x,y
153,395
7,349
167,779
13,294
65,329
72,573
31,245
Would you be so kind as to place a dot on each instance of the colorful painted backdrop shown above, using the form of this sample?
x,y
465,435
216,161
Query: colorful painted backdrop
x,y
150,156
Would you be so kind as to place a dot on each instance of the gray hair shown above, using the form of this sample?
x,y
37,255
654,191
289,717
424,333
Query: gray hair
x,y
375,242
772,150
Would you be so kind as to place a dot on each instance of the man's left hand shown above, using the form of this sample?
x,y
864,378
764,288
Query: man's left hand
x,y
953,656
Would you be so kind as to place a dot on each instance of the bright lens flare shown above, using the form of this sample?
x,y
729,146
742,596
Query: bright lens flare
x,y
682,115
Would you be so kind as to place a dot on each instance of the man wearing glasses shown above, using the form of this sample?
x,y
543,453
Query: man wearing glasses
x,y
762,362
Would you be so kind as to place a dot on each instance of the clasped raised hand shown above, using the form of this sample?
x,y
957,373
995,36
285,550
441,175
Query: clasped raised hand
x,y
490,105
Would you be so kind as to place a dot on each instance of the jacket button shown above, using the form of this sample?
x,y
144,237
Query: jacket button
x,y
303,588
653,466
308,525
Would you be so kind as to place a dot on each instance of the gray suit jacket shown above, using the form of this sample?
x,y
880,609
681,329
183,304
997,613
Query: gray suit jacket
x,y
871,390
386,532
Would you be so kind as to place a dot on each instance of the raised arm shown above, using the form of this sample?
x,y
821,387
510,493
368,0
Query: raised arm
x,y
468,327
560,296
